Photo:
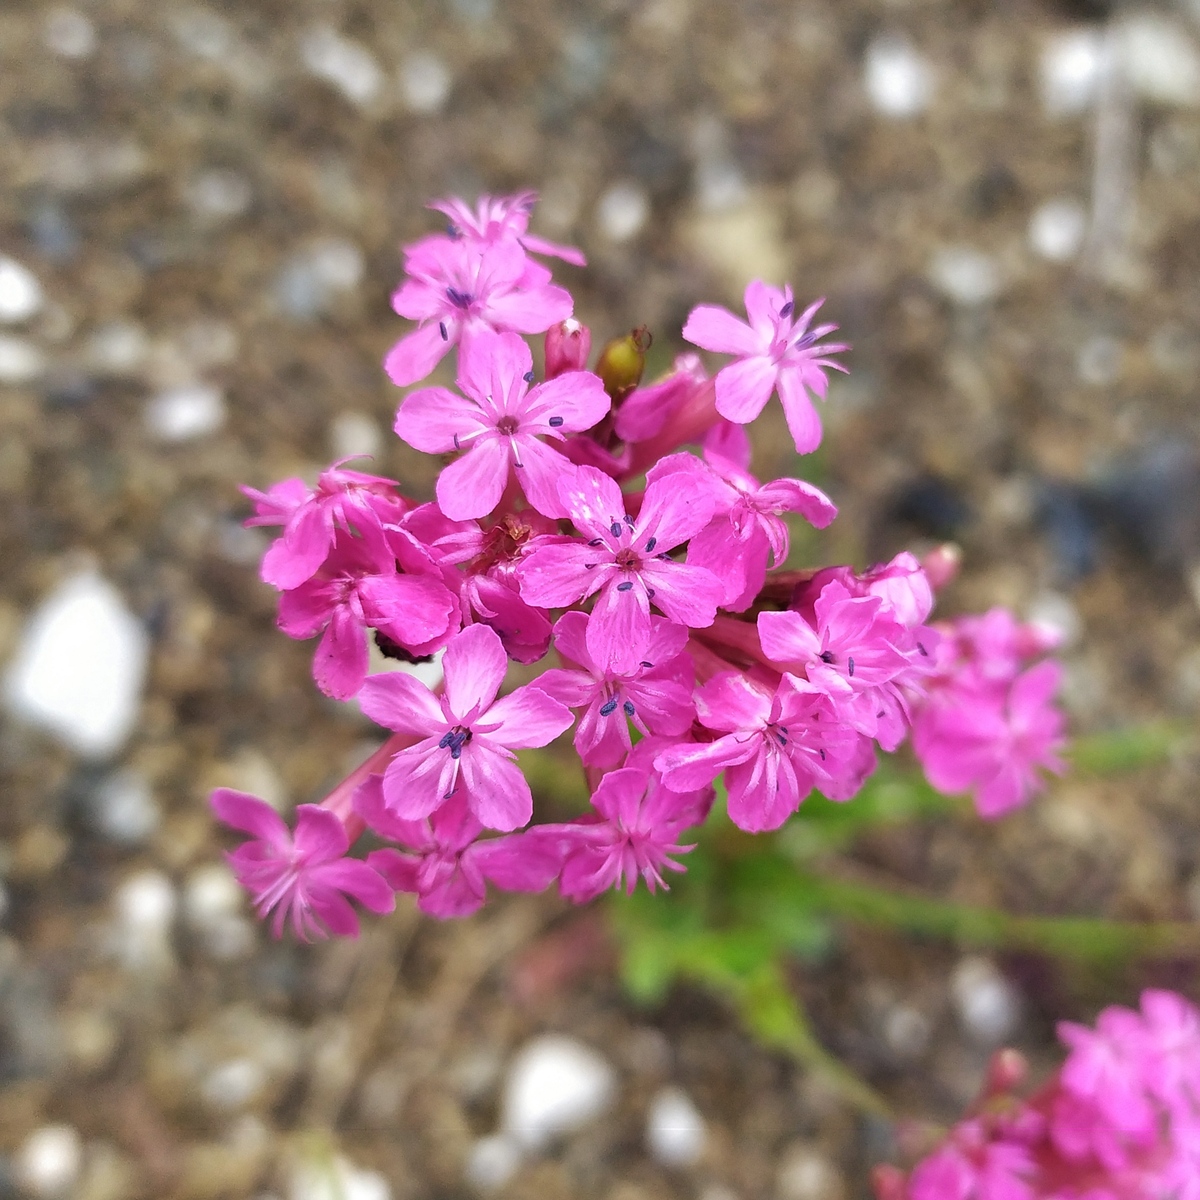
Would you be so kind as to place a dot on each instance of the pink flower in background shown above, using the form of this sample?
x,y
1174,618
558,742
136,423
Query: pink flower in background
x,y
459,289
626,561
342,500
634,831
647,410
499,427
499,218
656,697
972,1165
747,532
468,736
776,351
303,877
444,862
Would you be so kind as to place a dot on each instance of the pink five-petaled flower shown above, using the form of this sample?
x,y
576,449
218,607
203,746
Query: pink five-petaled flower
x,y
499,426
311,517
747,529
444,862
777,351
657,697
775,749
634,831
459,289
496,218
626,561
305,875
973,1165
467,735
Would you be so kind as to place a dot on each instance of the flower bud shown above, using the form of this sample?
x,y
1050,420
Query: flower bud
x,y
568,345
941,565
622,362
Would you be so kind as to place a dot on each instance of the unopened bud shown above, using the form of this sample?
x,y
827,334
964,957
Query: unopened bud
x,y
568,345
622,362
1007,1070
941,565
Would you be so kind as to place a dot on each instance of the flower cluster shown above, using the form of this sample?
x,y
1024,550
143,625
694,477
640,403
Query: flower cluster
x,y
618,522
1119,1121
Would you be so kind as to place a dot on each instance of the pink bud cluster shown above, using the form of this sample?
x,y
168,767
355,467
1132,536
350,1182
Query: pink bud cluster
x,y
1120,1120
572,514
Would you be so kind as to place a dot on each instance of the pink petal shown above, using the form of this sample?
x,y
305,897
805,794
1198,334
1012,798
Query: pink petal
x,y
713,328
418,779
401,703
240,810
540,472
618,630
764,790
743,388
496,790
688,767
593,500
475,665
786,637
678,503
414,356
802,419
490,363
413,610
570,639
532,311
400,870
794,495
553,576
578,397
730,702
340,663
306,609
298,555
539,245
370,804
730,442
763,303
688,595
429,419
527,717
518,863
472,485
357,879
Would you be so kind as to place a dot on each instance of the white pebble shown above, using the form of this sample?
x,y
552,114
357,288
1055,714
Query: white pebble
x,y
185,413
118,348
1055,612
233,1084
79,667
555,1085
1056,229
20,361
675,1132
806,1174
906,1031
312,278
348,66
322,1178
1071,66
219,194
425,82
124,809
49,1161
899,81
20,293
355,435
622,211
146,901
1100,360
1160,59
68,33
491,1162
211,894
965,275
987,1005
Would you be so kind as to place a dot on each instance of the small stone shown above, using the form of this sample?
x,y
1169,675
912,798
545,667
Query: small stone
x,y
185,413
555,1085
348,66
425,82
898,79
622,211
1055,612
49,1161
1056,229
213,903
965,275
1071,65
354,435
20,293
987,1005
68,33
20,360
492,1162
123,809
1100,360
219,194
79,667
118,348
906,1031
145,907
321,1177
234,1084
675,1130
1160,59
805,1173
310,281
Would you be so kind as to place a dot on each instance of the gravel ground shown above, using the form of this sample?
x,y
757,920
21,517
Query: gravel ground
x,y
200,215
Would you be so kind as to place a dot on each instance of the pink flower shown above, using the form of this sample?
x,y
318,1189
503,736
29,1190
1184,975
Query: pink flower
x,y
497,218
656,697
747,530
500,426
626,561
467,735
342,500
358,589
306,876
567,346
634,831
777,352
458,289
444,862
775,748
972,1165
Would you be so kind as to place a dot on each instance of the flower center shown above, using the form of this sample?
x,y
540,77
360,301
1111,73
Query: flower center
x,y
459,299
628,559
455,740
507,426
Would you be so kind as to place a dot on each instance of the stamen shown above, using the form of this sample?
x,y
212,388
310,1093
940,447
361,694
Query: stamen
x,y
646,664
850,666
554,422
924,652
650,593
821,752
607,710
628,707
459,299
596,542
827,656
528,376
442,331
615,529
625,586
651,544
786,310
629,520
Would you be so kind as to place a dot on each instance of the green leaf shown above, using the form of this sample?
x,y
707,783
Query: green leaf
x,y
1127,749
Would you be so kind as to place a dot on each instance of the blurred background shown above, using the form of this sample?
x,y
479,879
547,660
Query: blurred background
x,y
201,209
